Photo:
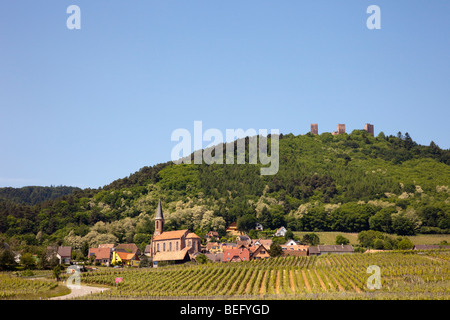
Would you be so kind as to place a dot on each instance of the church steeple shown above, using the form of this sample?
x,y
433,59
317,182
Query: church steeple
x,y
159,219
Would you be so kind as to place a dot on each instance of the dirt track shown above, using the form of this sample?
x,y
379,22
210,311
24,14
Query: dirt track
x,y
79,291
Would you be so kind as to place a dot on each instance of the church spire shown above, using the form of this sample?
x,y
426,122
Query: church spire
x,y
159,219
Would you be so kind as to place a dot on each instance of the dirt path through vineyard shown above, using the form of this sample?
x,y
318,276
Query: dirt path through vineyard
x,y
79,291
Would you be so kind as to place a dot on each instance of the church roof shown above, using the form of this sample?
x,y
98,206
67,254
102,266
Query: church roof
x,y
192,235
166,235
159,212
171,255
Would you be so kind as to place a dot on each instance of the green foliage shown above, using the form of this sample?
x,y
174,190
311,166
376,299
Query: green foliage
x,y
346,183
310,239
35,195
341,240
275,250
246,223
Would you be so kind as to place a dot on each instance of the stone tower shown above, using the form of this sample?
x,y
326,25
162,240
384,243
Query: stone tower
x,y
369,128
314,128
159,220
340,129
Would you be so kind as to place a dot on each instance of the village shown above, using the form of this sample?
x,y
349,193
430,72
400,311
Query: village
x,y
182,246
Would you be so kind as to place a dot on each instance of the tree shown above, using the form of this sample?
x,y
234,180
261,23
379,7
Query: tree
x,y
28,261
201,258
403,226
144,262
405,244
378,244
382,220
275,250
288,235
246,223
57,272
367,238
311,239
341,240
7,261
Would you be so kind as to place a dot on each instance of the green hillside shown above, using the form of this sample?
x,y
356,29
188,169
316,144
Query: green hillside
x,y
35,194
348,183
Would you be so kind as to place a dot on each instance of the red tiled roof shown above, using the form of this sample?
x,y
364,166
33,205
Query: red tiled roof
x,y
242,254
129,247
192,235
166,235
100,253
125,255
171,255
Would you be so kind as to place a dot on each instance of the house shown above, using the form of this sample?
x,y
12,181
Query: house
x,y
128,247
280,232
294,250
259,227
259,252
214,257
430,247
265,242
175,245
212,234
243,240
213,247
64,255
324,249
291,243
125,259
230,245
101,255
236,255
148,250
232,228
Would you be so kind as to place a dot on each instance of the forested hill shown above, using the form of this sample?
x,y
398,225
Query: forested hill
x,y
34,194
350,182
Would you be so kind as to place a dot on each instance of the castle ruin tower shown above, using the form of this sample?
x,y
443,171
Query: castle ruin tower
x,y
369,128
314,129
159,220
340,128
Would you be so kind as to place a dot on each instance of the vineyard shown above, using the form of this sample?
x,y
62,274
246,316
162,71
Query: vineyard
x,y
13,287
404,275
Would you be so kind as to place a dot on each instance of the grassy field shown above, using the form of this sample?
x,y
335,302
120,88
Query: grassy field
x,y
330,237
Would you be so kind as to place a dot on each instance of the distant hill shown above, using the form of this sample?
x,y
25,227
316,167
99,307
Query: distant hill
x,y
34,194
346,183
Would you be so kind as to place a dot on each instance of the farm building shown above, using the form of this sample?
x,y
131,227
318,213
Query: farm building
x,y
324,249
295,250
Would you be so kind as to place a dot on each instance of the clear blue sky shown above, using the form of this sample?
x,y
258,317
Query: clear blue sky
x,y
85,107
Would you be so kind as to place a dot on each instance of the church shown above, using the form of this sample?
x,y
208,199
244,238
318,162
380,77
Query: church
x,y
177,246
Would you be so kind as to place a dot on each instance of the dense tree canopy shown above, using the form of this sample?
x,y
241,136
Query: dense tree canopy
x,y
349,183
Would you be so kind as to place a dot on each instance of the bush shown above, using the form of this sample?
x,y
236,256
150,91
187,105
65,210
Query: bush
x,y
405,244
342,240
